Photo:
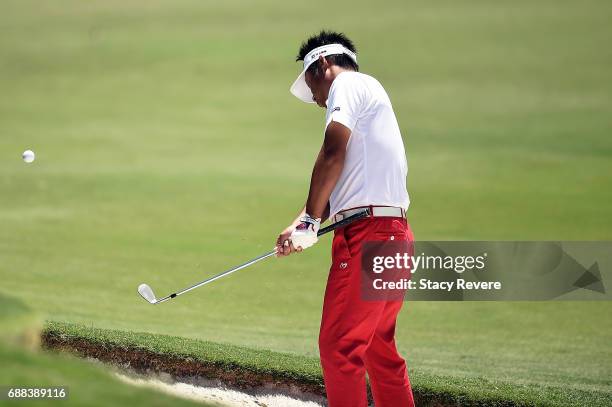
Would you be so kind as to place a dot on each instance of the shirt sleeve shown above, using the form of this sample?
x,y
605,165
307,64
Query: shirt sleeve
x,y
344,103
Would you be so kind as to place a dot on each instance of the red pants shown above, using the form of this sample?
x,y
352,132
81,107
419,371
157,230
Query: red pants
x,y
358,336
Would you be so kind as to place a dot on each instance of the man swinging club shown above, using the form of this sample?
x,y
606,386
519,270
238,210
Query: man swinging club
x,y
362,164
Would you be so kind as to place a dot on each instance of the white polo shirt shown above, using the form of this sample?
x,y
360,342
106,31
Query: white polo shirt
x,y
375,167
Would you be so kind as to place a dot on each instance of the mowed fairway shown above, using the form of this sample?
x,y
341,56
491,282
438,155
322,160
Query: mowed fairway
x,y
169,148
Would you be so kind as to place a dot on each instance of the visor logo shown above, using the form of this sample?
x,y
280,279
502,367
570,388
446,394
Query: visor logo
x,y
316,54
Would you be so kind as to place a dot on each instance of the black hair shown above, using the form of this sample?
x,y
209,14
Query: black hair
x,y
326,38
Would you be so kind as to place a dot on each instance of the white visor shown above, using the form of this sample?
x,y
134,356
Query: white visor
x,y
299,88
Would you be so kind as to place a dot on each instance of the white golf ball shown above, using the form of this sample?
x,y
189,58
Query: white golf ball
x,y
28,156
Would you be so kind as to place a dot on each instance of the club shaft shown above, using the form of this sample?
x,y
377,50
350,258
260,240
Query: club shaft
x,y
220,275
271,253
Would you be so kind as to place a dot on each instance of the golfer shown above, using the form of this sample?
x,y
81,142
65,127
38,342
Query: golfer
x,y
362,164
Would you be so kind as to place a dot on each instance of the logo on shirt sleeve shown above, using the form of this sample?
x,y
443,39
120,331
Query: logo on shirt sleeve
x,y
336,109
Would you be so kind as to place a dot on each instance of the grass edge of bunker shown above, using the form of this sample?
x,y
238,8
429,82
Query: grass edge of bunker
x,y
247,367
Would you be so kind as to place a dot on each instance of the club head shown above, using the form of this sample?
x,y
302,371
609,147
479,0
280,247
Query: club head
x,y
146,293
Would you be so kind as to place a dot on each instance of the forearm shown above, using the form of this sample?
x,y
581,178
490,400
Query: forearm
x,y
325,175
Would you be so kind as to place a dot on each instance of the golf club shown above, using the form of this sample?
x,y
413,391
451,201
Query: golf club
x,y
147,293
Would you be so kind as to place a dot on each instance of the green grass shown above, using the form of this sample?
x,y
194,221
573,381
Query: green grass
x,y
475,391
169,148
15,318
301,368
87,384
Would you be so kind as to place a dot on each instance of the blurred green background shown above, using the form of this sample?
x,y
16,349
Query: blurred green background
x,y
83,383
169,148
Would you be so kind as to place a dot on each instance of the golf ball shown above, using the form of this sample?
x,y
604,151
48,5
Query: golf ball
x,y
28,156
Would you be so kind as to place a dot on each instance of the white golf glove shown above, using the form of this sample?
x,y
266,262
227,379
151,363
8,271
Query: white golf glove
x,y
305,234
